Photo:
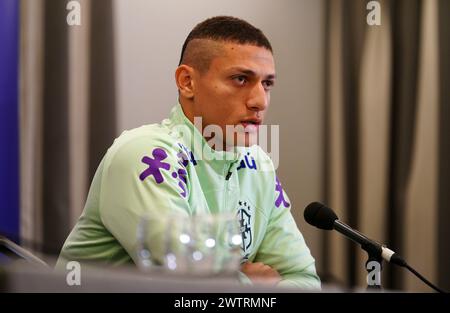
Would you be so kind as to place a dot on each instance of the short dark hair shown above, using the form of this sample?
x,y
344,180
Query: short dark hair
x,y
227,29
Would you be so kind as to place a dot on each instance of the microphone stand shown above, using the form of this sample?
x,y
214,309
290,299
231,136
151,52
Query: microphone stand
x,y
372,248
374,255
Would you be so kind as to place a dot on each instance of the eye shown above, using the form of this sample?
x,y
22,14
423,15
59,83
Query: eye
x,y
268,84
240,80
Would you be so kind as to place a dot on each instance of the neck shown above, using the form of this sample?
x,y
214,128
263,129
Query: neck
x,y
187,107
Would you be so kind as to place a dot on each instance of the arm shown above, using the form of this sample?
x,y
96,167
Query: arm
x,y
260,273
284,248
138,180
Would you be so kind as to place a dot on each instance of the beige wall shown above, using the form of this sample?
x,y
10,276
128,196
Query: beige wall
x,y
149,39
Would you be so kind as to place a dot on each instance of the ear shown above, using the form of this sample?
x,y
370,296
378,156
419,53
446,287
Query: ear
x,y
184,78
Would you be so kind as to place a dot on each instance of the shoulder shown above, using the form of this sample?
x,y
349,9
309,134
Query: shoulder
x,y
153,141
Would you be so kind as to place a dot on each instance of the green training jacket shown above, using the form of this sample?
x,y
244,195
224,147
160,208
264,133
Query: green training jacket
x,y
163,168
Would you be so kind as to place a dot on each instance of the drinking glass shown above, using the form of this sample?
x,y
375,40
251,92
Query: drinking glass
x,y
201,244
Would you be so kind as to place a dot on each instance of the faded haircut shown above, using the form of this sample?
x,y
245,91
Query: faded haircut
x,y
204,41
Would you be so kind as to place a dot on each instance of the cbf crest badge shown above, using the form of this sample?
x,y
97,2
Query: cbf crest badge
x,y
245,220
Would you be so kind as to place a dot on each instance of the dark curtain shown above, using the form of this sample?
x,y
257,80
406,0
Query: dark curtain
x,y
102,117
55,183
444,146
405,17
102,109
405,37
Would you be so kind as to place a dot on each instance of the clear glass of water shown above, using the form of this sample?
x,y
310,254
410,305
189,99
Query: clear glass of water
x,y
203,244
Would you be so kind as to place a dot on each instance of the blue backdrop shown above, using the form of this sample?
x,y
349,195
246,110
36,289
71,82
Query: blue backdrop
x,y
9,118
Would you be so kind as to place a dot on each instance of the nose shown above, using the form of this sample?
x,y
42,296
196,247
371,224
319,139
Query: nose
x,y
258,99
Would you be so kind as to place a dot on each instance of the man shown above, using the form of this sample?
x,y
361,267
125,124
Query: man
x,y
224,77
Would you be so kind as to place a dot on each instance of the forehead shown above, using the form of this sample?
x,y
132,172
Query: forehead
x,y
257,59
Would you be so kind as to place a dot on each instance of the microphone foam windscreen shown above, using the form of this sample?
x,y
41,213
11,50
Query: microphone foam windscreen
x,y
319,215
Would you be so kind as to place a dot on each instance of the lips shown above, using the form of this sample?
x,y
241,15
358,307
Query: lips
x,y
251,124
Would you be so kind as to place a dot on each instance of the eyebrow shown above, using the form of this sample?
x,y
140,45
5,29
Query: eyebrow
x,y
250,72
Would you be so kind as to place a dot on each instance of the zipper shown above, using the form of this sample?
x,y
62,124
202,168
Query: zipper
x,y
228,172
225,187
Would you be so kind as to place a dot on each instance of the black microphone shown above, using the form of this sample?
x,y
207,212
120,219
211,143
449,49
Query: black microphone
x,y
323,217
